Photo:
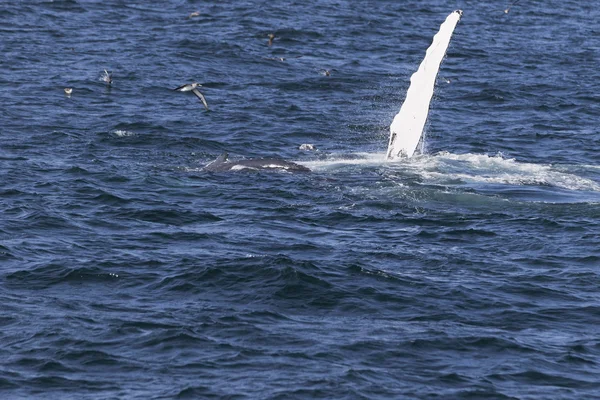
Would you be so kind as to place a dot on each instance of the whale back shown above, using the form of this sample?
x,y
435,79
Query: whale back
x,y
222,163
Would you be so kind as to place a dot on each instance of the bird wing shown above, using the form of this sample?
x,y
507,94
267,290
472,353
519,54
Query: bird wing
x,y
201,97
180,87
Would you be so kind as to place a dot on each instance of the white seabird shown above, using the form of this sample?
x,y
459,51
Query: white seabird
x,y
193,87
107,77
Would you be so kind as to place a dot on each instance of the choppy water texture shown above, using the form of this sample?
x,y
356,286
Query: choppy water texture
x,y
128,272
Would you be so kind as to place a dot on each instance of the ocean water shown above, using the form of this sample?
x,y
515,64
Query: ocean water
x,y
128,272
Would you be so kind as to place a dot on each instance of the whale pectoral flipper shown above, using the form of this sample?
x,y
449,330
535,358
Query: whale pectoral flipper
x,y
406,130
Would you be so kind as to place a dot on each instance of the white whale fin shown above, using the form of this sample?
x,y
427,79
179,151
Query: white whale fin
x,y
408,124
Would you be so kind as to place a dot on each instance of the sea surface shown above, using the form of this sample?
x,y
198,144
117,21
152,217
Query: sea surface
x,y
471,271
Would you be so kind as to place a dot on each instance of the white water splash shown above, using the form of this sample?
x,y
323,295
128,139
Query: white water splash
x,y
467,169
336,161
481,168
122,133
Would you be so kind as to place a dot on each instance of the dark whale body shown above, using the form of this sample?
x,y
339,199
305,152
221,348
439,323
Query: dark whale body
x,y
221,164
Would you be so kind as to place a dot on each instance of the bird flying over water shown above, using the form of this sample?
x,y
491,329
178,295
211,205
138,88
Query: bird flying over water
x,y
193,87
107,77
507,10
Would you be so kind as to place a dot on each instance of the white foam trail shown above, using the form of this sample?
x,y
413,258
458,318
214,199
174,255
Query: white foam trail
x,y
408,124
481,168
468,169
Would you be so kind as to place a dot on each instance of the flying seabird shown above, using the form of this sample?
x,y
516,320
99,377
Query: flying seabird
x,y
107,77
511,4
282,59
192,87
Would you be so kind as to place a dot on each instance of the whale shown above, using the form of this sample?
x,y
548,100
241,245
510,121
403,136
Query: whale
x,y
223,164
406,130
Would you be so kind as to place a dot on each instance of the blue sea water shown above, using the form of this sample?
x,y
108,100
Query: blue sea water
x,y
128,272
